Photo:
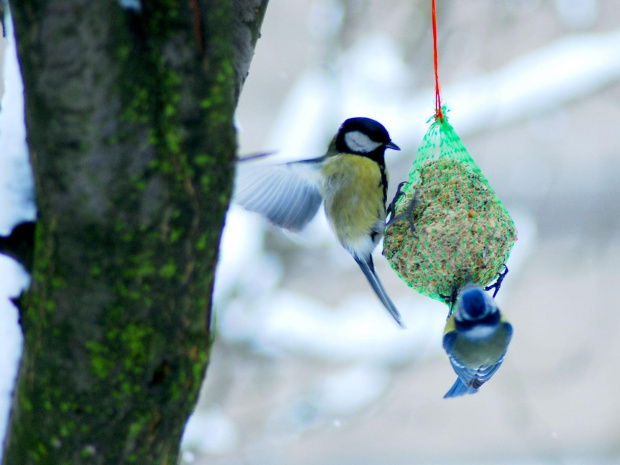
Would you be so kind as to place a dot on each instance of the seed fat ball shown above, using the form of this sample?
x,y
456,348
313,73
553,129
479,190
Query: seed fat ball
x,y
462,231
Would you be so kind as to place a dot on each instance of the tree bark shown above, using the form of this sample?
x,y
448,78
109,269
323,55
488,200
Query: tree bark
x,y
129,116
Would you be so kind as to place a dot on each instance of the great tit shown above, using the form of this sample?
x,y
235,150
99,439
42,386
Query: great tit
x,y
476,339
351,179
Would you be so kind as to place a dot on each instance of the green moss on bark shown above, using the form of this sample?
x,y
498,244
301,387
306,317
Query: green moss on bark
x,y
133,165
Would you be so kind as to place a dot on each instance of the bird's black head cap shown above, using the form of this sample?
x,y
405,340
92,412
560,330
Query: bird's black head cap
x,y
363,136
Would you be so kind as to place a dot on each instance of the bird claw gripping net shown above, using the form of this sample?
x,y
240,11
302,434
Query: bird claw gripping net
x,y
462,232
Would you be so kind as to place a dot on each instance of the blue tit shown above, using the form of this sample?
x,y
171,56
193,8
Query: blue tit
x,y
350,179
476,339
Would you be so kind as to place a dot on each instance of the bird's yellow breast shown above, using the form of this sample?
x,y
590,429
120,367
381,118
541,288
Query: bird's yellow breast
x,y
353,193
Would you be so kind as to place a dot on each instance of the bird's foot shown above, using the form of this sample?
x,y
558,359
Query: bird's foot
x,y
407,214
498,282
450,300
391,209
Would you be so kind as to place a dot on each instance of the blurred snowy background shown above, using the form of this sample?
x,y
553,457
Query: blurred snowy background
x,y
307,367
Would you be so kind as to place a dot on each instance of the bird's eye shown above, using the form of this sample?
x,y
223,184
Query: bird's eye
x,y
358,142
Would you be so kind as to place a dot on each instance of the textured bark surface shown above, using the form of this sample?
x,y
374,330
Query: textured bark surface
x,y
129,117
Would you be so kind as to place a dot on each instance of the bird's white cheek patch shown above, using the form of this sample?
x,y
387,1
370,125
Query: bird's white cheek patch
x,y
359,142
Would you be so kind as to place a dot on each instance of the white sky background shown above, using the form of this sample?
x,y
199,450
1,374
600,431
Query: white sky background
x,y
274,314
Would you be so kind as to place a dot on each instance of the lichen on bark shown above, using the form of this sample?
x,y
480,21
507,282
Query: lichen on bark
x,y
132,144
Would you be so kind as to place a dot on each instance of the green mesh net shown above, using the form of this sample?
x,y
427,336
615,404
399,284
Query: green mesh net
x,y
462,230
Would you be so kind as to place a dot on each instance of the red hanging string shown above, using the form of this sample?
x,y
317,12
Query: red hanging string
x,y
438,110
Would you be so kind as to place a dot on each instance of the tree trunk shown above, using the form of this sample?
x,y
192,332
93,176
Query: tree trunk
x,y
129,115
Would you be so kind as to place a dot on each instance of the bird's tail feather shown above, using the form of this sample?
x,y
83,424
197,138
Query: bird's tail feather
x,y
459,389
369,271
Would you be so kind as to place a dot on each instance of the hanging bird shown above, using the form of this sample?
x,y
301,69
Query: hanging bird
x,y
351,179
476,339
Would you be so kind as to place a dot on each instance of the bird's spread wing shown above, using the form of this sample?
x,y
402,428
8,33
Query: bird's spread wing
x,y
287,195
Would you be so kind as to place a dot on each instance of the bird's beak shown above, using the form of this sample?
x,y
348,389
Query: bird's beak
x,y
392,145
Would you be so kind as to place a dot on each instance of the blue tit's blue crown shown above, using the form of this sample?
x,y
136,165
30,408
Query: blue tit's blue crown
x,y
474,304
